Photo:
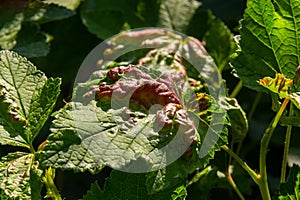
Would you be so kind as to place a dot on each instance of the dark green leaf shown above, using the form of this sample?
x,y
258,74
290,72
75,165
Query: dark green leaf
x,y
177,14
122,185
291,189
70,4
31,42
219,43
94,193
9,31
237,119
40,13
149,11
107,18
204,182
166,178
291,120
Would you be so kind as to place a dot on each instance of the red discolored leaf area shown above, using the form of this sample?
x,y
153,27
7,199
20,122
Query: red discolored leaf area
x,y
137,87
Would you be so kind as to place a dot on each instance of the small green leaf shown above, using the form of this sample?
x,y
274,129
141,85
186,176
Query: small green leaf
x,y
219,43
107,18
265,49
70,4
204,182
166,178
38,12
238,126
20,176
31,42
94,193
291,189
279,85
9,31
296,80
177,14
179,193
291,120
26,99
283,87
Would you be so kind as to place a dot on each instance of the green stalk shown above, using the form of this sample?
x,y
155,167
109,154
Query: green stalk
x,y
31,148
199,175
254,106
244,165
230,179
236,90
233,185
286,147
263,180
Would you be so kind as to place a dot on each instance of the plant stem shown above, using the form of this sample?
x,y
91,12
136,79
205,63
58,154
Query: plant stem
x,y
52,191
236,90
254,105
199,175
235,188
263,180
286,147
31,148
230,179
244,165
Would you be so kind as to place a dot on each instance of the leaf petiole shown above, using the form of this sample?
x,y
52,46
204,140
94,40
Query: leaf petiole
x,y
263,180
244,165
286,147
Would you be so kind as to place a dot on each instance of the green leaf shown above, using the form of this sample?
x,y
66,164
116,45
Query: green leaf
x,y
107,18
86,132
291,120
265,49
27,98
204,181
70,4
94,193
291,189
216,36
20,176
219,43
9,31
166,178
65,147
148,12
237,119
121,185
177,14
179,194
38,12
31,42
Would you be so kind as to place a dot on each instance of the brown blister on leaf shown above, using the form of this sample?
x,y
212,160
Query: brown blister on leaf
x,y
140,88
